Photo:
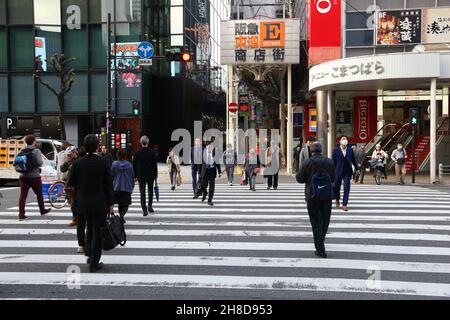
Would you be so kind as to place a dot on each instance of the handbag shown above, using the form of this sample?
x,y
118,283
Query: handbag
x,y
113,233
179,181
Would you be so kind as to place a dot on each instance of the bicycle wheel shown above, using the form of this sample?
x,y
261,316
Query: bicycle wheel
x,y
57,195
378,177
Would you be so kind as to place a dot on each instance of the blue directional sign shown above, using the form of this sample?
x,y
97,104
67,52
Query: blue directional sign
x,y
145,50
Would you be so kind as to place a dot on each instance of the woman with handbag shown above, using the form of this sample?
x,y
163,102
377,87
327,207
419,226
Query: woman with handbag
x,y
123,181
173,166
252,166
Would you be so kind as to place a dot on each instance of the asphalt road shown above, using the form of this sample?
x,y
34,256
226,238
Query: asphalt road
x,y
394,243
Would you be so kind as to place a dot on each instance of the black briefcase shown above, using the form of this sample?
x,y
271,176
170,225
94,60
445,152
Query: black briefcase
x,y
113,233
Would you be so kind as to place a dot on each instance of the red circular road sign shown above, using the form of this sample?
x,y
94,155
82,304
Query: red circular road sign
x,y
232,107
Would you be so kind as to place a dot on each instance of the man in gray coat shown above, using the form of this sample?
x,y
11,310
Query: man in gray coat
x,y
306,151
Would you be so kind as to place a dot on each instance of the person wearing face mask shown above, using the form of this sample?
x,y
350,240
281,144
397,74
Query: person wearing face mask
x,y
379,153
306,151
399,157
343,159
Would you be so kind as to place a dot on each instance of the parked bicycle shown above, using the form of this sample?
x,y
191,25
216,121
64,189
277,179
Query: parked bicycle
x,y
57,195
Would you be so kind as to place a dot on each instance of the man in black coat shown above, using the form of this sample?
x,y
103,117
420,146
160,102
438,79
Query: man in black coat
x,y
91,178
210,168
146,172
319,211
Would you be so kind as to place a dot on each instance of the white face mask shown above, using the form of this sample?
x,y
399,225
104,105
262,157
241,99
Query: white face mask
x,y
344,142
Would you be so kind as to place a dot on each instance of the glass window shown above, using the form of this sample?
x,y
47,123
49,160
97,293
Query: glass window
x,y
20,11
22,93
69,12
358,20
4,91
358,52
420,3
99,9
3,53
47,12
77,98
391,4
98,92
353,5
47,101
47,43
98,44
2,12
75,45
22,48
359,38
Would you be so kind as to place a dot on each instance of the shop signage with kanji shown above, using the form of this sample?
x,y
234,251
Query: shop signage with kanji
x,y
260,41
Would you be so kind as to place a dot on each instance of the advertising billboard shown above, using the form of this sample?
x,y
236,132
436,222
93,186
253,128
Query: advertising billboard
x,y
324,30
260,41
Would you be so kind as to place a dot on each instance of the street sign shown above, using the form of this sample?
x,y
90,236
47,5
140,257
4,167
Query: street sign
x,y
145,50
232,107
145,62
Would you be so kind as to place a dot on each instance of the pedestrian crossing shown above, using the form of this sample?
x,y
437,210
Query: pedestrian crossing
x,y
393,243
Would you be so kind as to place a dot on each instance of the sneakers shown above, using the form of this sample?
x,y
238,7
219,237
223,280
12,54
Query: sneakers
x,y
80,250
73,223
24,218
46,211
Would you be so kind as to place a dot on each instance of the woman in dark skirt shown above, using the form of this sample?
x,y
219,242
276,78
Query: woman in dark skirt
x,y
123,181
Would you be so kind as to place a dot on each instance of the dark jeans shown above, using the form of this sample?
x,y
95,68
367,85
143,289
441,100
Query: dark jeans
x,y
275,181
319,216
93,249
195,171
211,181
142,185
346,178
25,185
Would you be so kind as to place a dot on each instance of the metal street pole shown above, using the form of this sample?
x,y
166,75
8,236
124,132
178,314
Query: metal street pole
x,y
108,92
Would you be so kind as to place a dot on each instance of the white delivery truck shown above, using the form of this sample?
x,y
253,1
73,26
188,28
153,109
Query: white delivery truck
x,y
10,148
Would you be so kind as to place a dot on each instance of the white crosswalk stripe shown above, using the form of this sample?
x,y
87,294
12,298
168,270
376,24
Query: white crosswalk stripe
x,y
250,241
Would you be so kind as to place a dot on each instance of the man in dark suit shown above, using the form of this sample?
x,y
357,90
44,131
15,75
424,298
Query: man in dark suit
x,y
91,178
343,158
196,163
146,172
210,168
319,211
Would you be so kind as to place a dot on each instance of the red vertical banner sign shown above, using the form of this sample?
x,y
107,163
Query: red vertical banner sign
x,y
324,30
365,119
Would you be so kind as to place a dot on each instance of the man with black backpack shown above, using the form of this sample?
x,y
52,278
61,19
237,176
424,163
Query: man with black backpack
x,y
318,174
28,163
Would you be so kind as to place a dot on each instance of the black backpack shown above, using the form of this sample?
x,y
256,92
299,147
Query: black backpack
x,y
24,161
321,184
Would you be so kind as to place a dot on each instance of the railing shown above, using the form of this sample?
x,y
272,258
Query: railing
x,y
444,170
438,142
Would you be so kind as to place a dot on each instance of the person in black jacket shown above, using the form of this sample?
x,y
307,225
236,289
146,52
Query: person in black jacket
x,y
145,172
91,178
319,211
209,171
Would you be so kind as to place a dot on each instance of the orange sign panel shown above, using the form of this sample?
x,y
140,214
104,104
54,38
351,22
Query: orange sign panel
x,y
272,34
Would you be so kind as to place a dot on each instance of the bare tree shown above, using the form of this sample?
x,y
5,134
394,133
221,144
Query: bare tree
x,y
66,79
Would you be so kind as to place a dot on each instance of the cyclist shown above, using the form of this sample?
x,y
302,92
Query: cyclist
x,y
380,154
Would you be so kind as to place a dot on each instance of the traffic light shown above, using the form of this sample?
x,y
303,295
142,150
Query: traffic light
x,y
414,116
136,110
183,56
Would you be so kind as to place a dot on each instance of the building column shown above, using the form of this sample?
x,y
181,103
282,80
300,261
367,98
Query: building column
x,y
445,102
433,128
380,111
331,111
290,124
322,134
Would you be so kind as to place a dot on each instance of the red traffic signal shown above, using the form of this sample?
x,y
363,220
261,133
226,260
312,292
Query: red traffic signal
x,y
184,56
